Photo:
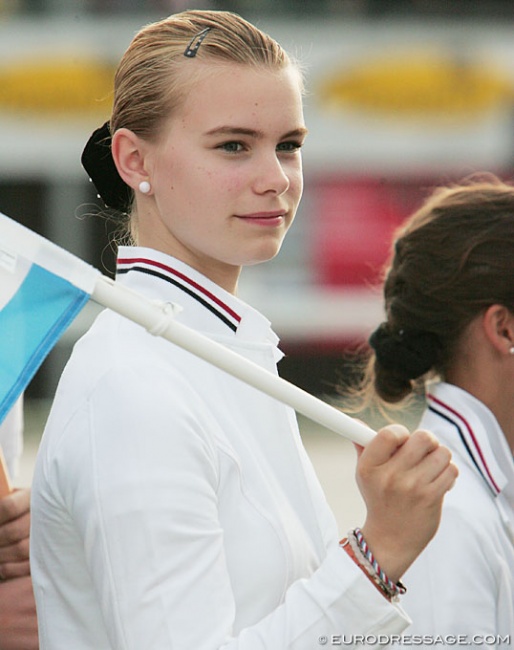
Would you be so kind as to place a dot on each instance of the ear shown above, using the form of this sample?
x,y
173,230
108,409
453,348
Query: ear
x,y
498,324
128,151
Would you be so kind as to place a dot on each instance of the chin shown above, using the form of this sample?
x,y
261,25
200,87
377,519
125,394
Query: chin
x,y
259,259
263,254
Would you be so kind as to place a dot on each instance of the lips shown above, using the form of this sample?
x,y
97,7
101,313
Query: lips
x,y
271,219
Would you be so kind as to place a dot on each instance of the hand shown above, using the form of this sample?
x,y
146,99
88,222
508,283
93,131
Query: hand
x,y
14,534
18,623
403,479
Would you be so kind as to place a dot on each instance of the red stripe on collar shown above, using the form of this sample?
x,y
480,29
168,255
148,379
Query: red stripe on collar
x,y
472,437
184,278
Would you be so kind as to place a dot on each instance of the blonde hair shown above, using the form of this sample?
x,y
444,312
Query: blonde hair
x,y
154,75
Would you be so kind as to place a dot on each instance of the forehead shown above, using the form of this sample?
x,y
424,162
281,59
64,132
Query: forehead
x,y
241,95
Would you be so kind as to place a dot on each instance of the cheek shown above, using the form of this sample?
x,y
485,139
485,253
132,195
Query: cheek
x,y
209,177
229,183
296,181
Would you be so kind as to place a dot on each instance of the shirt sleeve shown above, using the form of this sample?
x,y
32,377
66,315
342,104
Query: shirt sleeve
x,y
142,491
459,584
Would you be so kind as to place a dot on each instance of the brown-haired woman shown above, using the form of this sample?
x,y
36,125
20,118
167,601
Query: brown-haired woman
x,y
174,506
449,331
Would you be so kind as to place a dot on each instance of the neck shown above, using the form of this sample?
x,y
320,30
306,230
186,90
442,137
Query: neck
x,y
224,275
489,388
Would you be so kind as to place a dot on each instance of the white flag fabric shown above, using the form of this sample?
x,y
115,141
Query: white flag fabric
x,y
43,288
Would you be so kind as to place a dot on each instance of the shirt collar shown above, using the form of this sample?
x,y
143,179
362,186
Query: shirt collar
x,y
206,306
483,441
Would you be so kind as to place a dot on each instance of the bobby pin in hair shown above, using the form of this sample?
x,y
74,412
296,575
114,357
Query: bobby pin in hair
x,y
195,43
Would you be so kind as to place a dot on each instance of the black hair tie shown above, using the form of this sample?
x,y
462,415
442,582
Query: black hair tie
x,y
98,162
408,353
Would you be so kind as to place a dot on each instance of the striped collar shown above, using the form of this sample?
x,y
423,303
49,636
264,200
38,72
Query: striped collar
x,y
183,282
480,438
207,307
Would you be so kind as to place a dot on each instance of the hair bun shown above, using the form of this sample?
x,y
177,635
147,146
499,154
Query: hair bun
x,y
98,162
408,353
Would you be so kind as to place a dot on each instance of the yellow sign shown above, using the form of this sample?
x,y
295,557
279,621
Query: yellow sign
x,y
418,85
56,87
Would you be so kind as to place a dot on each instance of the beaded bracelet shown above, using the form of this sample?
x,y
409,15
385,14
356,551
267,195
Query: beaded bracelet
x,y
367,560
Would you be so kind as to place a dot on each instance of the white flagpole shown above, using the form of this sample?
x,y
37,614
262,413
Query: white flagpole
x,y
158,320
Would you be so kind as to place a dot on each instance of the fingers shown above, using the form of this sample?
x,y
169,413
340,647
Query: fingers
x,y
14,532
385,444
11,570
446,478
429,465
14,505
425,465
416,448
403,479
418,458
17,551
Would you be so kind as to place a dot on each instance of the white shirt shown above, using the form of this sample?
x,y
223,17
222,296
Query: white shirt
x,y
11,438
174,507
463,583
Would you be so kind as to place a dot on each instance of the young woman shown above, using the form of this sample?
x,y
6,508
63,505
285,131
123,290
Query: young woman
x,y
18,624
449,330
174,506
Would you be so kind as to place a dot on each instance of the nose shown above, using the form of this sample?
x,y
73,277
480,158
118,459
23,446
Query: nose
x,y
271,176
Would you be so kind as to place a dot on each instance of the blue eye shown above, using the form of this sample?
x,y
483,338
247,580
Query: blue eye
x,y
290,146
232,147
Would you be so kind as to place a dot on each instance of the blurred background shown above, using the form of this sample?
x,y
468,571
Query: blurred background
x,y
402,95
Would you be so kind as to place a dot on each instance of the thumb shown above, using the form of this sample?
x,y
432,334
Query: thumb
x,y
358,448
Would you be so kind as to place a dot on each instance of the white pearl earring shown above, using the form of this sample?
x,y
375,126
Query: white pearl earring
x,y
511,350
144,187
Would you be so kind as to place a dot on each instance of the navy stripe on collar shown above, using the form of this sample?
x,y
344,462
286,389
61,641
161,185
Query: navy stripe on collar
x,y
468,439
202,295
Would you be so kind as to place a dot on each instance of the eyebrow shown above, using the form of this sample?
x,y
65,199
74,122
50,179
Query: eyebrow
x,y
253,133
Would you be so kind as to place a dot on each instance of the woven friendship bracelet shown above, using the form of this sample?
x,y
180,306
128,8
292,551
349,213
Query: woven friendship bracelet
x,y
349,545
361,549
361,560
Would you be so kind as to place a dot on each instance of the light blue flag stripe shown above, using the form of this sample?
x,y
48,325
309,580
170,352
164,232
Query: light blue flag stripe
x,y
31,324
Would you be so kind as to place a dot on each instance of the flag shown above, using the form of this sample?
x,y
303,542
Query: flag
x,y
42,289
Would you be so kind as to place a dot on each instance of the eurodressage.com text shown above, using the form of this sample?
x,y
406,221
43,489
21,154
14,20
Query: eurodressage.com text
x,y
415,640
